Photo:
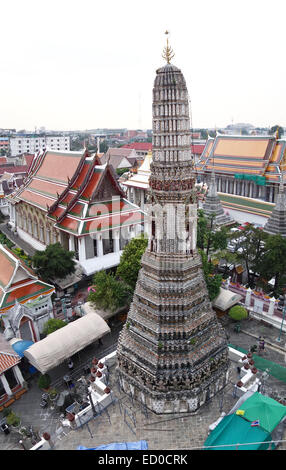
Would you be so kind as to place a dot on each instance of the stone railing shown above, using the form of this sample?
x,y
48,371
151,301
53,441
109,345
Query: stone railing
x,y
248,380
259,305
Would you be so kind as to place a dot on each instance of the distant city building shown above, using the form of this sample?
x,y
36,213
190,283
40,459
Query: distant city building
x,y
121,157
4,143
36,143
142,148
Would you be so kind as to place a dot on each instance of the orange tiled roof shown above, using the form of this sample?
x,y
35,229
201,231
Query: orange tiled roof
x,y
8,357
256,155
68,195
7,268
28,287
24,293
61,167
7,361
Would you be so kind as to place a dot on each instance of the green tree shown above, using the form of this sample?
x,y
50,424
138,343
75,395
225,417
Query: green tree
x,y
120,171
210,238
228,258
110,293
103,146
213,281
202,224
52,325
54,262
204,134
238,313
273,262
280,130
44,381
130,261
250,249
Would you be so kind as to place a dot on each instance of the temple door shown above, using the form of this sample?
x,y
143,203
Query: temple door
x,y
26,329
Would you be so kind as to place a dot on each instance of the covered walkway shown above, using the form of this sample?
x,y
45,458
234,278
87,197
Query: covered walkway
x,y
65,342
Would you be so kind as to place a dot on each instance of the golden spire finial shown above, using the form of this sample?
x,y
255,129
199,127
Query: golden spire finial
x,y
277,133
168,52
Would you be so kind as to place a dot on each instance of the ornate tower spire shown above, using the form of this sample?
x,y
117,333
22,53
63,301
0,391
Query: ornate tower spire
x,y
168,53
172,353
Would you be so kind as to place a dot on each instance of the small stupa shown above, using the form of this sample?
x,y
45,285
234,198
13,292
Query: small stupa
x,y
212,206
276,224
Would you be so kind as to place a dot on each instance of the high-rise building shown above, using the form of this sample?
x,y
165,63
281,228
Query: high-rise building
x,y
35,143
172,352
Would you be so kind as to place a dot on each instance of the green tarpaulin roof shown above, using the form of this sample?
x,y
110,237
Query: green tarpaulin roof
x,y
234,430
268,411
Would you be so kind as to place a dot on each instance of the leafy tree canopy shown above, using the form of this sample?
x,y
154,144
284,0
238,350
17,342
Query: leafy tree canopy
x,y
273,262
208,237
121,171
213,281
280,130
54,262
110,294
237,313
52,325
250,249
130,261
103,146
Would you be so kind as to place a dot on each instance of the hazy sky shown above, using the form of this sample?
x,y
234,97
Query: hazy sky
x,y
85,64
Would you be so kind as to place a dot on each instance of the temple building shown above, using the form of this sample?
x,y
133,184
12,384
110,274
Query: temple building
x,y
172,352
212,206
248,166
12,383
25,300
276,224
69,197
138,184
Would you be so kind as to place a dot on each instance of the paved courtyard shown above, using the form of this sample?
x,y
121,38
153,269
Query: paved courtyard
x,y
125,420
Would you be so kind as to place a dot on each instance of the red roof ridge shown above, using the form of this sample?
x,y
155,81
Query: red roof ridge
x,y
70,184
80,190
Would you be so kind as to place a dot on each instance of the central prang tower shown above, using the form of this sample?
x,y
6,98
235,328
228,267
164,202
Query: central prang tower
x,y
172,352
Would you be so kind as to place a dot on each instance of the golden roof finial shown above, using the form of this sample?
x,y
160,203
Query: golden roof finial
x,y
168,52
277,133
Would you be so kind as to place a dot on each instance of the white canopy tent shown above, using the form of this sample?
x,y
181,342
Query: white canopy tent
x,y
68,340
226,299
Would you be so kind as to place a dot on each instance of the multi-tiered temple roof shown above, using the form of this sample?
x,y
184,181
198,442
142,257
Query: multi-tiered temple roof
x,y
18,282
172,353
76,192
251,156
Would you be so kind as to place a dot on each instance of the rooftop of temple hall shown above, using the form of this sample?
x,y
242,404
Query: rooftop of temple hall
x,y
69,188
252,156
